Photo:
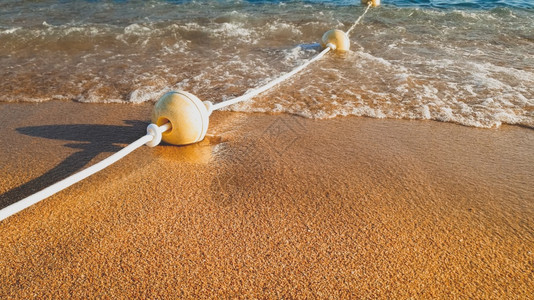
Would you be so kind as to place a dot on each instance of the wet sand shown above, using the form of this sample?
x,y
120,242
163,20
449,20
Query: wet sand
x,y
268,206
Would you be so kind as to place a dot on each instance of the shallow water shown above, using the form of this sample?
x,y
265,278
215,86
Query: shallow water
x,y
471,64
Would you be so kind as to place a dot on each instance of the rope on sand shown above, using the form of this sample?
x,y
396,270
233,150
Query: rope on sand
x,y
153,133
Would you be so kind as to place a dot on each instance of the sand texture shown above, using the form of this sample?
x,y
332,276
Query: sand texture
x,y
268,206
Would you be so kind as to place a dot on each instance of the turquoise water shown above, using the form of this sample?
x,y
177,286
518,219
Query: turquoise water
x,y
467,62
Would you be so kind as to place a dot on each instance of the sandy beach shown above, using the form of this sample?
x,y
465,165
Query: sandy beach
x,y
268,206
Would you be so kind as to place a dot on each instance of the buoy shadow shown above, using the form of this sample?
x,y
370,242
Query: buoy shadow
x,y
313,46
91,139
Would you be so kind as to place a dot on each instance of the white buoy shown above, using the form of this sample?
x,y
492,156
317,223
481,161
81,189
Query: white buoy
x,y
337,38
374,3
188,116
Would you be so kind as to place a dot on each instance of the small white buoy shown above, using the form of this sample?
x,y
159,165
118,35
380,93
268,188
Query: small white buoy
x,y
188,116
374,3
337,38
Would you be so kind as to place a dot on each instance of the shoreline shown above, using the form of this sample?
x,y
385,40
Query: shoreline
x,y
266,206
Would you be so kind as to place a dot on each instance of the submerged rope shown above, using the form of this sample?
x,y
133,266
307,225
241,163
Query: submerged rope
x,y
253,93
65,183
359,19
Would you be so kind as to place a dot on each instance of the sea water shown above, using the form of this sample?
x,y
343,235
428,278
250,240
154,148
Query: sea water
x,y
467,62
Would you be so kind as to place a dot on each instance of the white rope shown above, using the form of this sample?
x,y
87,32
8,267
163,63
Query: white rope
x,y
152,138
253,93
65,183
359,19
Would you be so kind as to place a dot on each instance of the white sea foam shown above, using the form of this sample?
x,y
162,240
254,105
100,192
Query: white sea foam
x,y
137,29
469,67
9,30
280,27
146,94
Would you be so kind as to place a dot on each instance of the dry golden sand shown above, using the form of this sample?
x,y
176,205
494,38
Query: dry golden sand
x,y
269,206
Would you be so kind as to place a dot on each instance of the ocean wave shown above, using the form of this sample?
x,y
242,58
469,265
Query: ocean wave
x,y
464,66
